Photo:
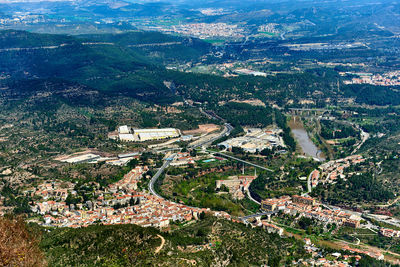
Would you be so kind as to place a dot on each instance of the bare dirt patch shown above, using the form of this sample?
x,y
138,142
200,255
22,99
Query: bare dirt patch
x,y
203,129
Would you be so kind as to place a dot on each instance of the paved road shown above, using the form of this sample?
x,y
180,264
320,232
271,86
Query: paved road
x,y
308,109
251,198
159,172
309,188
225,132
243,161
364,137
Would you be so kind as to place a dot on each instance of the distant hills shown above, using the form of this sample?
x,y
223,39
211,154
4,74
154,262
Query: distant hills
x,y
108,63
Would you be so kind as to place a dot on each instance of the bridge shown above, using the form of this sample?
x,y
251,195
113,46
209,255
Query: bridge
x,y
308,111
240,160
266,213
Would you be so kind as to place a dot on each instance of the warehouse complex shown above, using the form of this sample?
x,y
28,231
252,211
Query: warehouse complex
x,y
126,133
255,140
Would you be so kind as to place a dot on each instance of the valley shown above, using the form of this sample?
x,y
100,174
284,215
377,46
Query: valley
x,y
228,133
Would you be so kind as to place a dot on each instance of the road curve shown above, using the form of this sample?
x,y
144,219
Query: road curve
x,y
158,174
251,198
225,132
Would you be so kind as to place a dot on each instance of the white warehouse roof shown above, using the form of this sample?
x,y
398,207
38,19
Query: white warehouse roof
x,y
124,129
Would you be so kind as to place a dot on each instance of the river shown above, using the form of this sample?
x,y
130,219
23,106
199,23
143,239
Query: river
x,y
308,147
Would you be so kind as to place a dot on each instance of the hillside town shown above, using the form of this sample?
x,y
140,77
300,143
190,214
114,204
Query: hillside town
x,y
308,207
330,171
209,30
269,28
120,203
386,79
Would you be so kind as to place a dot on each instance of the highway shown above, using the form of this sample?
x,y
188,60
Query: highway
x,y
225,132
159,172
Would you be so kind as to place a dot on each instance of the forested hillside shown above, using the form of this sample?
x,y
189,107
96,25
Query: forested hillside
x,y
205,243
133,64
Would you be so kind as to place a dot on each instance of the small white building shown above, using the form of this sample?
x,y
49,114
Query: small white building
x,y
124,129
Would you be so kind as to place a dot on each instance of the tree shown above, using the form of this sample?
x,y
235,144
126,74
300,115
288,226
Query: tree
x,y
237,150
133,163
18,247
224,188
266,152
202,216
132,201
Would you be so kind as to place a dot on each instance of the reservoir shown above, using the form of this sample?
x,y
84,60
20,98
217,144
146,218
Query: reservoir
x,y
308,147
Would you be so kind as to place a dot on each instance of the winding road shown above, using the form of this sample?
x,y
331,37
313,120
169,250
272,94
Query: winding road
x,y
158,174
162,244
225,132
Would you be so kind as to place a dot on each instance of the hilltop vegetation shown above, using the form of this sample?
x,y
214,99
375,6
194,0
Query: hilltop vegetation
x,y
207,243
103,67
18,246
133,64
157,46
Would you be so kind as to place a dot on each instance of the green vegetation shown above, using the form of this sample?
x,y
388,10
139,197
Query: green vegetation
x,y
373,95
200,191
13,198
245,114
206,242
213,41
358,189
332,130
281,122
151,45
283,182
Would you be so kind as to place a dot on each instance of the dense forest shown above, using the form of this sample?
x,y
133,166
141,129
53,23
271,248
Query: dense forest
x,y
359,188
240,114
332,130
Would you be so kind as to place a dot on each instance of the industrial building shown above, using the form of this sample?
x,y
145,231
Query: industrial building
x,y
124,129
155,134
255,140
126,133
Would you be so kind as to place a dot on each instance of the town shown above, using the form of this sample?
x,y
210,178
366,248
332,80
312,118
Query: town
x,y
199,133
119,203
385,79
330,171
208,30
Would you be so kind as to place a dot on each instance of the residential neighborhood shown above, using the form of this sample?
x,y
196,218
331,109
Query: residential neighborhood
x,y
117,204
331,171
